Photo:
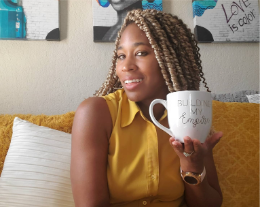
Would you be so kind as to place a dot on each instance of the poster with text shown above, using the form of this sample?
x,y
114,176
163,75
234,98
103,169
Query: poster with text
x,y
226,20
108,16
29,20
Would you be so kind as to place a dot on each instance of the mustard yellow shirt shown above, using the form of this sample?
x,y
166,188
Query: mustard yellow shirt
x,y
143,169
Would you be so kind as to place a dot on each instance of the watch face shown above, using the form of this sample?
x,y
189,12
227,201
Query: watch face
x,y
191,180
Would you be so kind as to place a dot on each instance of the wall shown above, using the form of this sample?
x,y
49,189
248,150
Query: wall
x,y
41,77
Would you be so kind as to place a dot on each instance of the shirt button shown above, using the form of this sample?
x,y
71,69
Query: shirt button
x,y
144,203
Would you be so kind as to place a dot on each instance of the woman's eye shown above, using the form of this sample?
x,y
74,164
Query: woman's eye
x,y
120,57
141,53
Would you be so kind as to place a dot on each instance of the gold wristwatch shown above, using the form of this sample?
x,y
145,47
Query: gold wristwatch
x,y
193,178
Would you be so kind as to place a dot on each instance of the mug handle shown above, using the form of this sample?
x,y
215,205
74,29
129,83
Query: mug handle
x,y
164,103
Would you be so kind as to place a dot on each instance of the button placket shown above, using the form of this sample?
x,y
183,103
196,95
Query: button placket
x,y
154,170
152,158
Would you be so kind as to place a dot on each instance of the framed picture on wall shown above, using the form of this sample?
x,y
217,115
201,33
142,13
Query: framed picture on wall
x,y
29,20
108,16
226,20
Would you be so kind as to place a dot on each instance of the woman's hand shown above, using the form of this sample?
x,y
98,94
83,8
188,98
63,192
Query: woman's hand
x,y
194,162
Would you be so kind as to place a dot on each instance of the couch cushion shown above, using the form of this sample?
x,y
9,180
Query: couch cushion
x,y
59,122
37,167
237,154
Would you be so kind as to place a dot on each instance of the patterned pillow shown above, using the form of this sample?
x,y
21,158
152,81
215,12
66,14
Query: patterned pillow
x,y
237,154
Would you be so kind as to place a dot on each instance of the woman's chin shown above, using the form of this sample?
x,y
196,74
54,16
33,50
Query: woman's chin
x,y
133,96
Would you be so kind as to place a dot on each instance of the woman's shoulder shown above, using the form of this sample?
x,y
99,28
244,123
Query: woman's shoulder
x,y
94,110
93,103
104,108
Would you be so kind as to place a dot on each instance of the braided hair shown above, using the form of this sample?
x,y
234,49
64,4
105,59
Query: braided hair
x,y
174,46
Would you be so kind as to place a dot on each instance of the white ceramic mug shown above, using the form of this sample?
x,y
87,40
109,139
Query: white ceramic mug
x,y
189,114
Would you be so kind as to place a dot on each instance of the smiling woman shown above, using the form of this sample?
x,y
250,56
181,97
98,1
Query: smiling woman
x,y
119,157
136,60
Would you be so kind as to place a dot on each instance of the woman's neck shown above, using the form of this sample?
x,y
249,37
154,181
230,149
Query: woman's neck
x,y
158,109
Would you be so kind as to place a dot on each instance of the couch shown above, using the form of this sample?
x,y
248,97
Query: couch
x,y
236,155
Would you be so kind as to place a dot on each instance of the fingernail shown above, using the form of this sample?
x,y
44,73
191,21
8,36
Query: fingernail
x,y
186,138
175,144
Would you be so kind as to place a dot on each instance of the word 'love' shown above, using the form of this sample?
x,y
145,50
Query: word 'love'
x,y
238,8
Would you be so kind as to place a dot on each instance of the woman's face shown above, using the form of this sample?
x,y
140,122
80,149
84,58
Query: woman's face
x,y
137,67
119,5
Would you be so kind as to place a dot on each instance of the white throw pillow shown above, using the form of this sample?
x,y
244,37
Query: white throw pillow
x,y
253,98
37,168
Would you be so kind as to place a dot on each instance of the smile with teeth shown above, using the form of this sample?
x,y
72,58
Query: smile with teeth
x,y
133,81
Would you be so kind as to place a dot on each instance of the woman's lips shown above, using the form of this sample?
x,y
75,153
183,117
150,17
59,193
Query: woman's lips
x,y
132,86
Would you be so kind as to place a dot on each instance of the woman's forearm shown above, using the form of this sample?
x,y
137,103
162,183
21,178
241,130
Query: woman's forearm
x,y
202,195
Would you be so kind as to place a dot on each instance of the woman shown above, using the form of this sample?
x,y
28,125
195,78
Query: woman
x,y
119,158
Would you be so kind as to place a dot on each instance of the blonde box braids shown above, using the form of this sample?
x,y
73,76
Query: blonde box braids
x,y
174,46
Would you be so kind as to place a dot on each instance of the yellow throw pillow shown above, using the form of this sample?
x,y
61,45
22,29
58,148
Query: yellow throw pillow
x,y
237,154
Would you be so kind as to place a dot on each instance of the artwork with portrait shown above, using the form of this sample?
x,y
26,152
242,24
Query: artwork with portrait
x,y
226,21
108,16
29,20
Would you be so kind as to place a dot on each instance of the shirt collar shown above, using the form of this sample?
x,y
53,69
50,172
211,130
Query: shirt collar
x,y
130,109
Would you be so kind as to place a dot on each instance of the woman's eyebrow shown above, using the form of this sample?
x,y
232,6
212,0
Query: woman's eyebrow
x,y
140,43
120,48
135,45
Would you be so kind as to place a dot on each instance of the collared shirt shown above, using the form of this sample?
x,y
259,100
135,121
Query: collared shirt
x,y
143,169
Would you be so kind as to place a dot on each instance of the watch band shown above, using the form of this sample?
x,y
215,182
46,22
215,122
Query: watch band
x,y
193,178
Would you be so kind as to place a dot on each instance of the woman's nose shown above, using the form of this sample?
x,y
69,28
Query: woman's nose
x,y
129,66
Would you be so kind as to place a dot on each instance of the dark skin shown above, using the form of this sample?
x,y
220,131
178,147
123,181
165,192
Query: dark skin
x,y
136,60
92,128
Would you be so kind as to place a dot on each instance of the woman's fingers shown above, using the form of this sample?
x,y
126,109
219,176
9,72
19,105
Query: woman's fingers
x,y
178,147
172,139
188,145
198,147
192,147
182,148
213,140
